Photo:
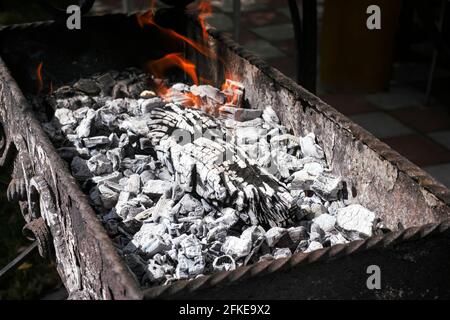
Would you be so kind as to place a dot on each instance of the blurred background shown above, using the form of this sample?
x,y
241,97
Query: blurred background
x,y
394,82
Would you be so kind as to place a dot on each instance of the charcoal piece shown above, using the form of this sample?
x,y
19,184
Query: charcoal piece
x,y
64,92
156,188
240,114
237,247
87,86
310,148
337,238
134,184
148,105
68,153
266,257
80,169
314,245
155,272
224,263
99,165
327,187
64,117
136,264
270,116
356,218
106,83
303,179
92,142
188,268
218,233
281,253
108,196
120,90
188,205
325,221
84,128
273,235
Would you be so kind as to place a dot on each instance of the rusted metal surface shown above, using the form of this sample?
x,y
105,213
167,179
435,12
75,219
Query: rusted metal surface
x,y
376,177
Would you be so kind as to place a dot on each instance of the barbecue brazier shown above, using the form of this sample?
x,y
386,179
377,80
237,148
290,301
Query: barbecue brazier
x,y
414,260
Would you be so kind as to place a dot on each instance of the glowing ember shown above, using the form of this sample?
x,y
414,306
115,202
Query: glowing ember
x,y
40,82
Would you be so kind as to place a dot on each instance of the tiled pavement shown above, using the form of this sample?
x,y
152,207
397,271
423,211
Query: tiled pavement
x,y
398,117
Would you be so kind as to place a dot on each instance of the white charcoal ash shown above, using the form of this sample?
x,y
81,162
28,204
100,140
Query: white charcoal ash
x,y
190,191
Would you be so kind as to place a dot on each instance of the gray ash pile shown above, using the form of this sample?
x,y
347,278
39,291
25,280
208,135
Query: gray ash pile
x,y
190,182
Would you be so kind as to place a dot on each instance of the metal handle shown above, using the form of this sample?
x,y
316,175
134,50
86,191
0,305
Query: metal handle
x,y
42,209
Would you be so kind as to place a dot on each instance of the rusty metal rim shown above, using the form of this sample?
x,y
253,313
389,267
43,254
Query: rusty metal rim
x,y
334,252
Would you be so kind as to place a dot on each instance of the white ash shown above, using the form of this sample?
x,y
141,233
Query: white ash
x,y
178,207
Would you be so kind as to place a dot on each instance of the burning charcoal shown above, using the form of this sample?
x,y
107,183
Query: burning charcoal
x,y
148,105
147,94
80,169
327,187
237,247
314,245
99,165
84,128
181,87
356,218
65,117
224,263
282,253
136,89
235,92
273,235
310,148
209,94
95,141
134,184
155,272
155,188
325,221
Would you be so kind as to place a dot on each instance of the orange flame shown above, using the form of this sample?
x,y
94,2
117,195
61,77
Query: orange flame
x,y
147,18
159,67
40,82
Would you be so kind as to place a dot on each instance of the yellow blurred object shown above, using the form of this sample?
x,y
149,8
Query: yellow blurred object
x,y
352,57
25,266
